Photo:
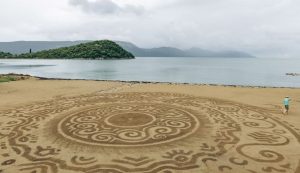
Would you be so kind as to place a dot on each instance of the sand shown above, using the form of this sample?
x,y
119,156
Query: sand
x,y
97,126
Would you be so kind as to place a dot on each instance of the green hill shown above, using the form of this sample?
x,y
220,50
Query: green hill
x,y
103,49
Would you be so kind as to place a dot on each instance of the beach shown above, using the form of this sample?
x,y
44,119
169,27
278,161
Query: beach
x,y
51,125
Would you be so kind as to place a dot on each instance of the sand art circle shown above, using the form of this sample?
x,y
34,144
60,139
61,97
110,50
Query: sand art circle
x,y
145,132
130,119
128,124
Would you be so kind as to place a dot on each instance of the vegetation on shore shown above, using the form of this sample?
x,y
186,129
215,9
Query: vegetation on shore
x,y
13,77
6,78
104,49
6,55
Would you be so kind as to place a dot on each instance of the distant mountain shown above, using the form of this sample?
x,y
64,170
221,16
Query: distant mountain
x,y
174,52
154,52
103,49
19,47
24,47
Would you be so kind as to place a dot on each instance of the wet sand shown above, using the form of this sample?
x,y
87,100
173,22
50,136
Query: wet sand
x,y
94,126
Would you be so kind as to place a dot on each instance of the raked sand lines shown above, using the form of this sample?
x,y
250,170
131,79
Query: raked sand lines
x,y
113,131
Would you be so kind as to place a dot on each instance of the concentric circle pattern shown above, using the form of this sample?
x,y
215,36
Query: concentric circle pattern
x,y
128,124
145,133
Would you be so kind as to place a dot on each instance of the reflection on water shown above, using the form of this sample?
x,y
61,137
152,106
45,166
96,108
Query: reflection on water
x,y
3,65
229,71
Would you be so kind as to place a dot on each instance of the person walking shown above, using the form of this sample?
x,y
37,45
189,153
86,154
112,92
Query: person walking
x,y
286,103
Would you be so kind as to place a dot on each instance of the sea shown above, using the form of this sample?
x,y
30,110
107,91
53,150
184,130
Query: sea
x,y
264,72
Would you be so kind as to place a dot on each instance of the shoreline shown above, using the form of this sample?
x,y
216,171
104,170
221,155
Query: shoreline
x,y
68,58
151,82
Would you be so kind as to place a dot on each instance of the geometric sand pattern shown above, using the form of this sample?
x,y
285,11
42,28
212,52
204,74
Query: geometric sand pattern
x,y
145,132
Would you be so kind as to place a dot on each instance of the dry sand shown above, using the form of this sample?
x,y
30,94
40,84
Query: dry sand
x,y
95,126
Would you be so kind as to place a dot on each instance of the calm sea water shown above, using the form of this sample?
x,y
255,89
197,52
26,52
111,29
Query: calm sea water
x,y
228,71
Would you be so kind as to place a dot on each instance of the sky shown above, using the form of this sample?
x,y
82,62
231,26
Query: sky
x,y
264,28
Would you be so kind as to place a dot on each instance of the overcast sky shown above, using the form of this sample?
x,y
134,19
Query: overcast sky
x,y
259,27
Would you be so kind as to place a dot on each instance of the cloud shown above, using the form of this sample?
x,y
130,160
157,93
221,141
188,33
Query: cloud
x,y
105,7
263,28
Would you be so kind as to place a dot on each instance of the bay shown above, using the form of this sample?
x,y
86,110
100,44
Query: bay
x,y
224,71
